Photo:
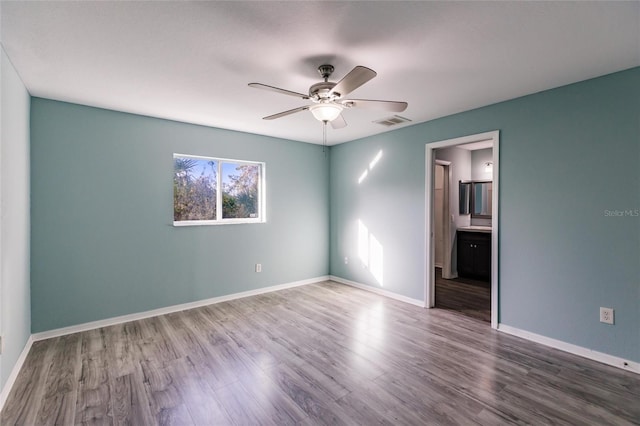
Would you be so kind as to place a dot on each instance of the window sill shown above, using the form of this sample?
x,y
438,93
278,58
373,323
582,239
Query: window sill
x,y
216,222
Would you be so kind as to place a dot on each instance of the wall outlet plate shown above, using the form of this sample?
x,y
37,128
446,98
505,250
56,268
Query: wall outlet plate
x,y
258,267
606,315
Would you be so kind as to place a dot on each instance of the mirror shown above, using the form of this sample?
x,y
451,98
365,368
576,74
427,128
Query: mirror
x,y
475,198
482,199
464,194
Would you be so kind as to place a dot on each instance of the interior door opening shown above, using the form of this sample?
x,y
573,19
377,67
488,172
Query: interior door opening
x,y
439,215
461,244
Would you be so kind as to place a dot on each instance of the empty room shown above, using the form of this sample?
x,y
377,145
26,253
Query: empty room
x,y
319,212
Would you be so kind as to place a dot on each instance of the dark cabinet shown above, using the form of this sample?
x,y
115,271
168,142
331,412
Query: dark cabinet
x,y
474,255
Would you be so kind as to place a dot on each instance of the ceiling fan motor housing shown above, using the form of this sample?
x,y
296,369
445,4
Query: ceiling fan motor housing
x,y
320,92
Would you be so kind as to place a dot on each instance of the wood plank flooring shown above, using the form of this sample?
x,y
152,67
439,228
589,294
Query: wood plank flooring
x,y
318,354
464,295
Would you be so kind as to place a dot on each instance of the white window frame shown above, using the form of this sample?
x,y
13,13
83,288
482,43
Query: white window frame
x,y
262,211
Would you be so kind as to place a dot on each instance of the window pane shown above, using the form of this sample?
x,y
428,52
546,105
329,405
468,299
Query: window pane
x,y
240,183
194,188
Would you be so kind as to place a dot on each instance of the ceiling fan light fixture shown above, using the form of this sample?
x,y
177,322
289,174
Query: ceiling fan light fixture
x,y
328,97
325,111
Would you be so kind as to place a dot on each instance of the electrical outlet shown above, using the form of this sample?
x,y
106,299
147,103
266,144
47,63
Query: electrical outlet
x,y
346,260
606,315
258,267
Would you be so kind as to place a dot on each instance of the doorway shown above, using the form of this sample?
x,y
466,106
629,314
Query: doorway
x,y
439,198
433,216
442,217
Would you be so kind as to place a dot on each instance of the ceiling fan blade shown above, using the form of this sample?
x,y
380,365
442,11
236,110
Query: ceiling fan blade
x,y
285,113
339,122
278,90
393,106
350,82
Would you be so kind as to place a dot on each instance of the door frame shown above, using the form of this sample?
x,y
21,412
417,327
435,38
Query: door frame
x,y
446,219
430,284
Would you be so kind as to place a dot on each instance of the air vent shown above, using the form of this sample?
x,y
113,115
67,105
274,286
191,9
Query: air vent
x,y
392,121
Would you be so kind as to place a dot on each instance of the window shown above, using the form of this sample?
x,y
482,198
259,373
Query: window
x,y
210,191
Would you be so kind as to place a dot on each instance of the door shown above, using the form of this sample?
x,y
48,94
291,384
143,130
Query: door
x,y
439,215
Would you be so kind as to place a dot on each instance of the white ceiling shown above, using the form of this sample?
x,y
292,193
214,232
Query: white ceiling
x,y
191,61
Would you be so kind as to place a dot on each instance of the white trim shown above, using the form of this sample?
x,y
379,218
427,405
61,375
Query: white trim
x,y
217,222
379,291
614,361
495,222
262,197
429,273
446,231
169,309
204,157
14,372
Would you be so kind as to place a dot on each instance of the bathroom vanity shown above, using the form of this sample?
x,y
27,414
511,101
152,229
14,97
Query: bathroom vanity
x,y
474,252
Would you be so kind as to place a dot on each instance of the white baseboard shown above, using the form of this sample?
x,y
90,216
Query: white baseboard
x,y
169,309
14,372
573,349
382,292
132,317
547,341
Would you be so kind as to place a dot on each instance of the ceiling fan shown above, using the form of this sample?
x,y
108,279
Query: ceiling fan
x,y
329,98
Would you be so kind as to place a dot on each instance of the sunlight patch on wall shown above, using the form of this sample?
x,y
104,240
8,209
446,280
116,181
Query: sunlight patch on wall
x,y
370,252
363,243
372,164
375,160
363,176
375,258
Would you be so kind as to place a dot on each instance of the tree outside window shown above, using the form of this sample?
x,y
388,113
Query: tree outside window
x,y
213,190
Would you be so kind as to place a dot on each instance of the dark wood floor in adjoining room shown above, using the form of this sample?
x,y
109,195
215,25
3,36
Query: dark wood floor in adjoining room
x,y
466,296
318,354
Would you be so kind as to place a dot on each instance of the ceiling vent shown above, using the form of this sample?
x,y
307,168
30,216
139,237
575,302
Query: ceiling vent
x,y
392,121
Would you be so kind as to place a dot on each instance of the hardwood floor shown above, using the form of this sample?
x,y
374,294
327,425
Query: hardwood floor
x,y
318,354
464,295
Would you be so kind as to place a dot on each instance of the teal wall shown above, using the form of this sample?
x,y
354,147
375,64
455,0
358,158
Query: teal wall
x,y
103,243
15,310
566,156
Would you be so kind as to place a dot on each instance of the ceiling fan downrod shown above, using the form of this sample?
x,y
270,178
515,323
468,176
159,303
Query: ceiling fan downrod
x,y
325,71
